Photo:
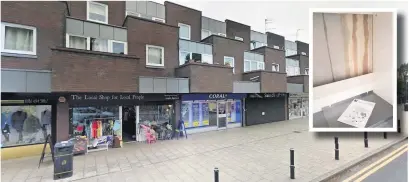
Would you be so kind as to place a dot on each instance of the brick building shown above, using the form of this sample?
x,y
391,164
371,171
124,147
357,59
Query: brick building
x,y
139,62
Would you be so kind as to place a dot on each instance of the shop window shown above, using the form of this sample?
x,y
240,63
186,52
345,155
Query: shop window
x,y
204,113
97,12
18,39
25,125
155,114
95,122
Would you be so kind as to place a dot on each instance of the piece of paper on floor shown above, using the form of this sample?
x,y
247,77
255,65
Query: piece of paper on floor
x,y
358,113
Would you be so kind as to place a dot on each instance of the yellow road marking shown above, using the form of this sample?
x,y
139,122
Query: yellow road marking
x,y
381,165
374,164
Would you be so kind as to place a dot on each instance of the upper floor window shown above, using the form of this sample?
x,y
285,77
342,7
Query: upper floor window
x,y
206,33
95,44
256,44
185,57
18,39
184,31
293,67
229,61
252,65
275,67
290,52
238,38
155,55
97,12
307,71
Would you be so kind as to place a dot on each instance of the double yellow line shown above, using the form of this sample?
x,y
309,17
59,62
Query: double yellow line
x,y
364,173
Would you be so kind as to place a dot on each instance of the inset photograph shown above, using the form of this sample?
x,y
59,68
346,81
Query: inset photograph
x,y
354,70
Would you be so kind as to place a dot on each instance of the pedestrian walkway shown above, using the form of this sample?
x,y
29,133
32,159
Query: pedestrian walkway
x,y
256,153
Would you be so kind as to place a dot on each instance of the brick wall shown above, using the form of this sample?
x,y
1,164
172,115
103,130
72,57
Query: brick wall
x,y
180,14
49,19
234,29
116,11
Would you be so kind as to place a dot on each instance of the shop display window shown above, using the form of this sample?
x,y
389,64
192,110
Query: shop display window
x,y
204,113
95,122
24,125
297,107
155,114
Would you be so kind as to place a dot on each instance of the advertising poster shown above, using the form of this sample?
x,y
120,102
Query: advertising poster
x,y
205,114
238,112
185,114
195,114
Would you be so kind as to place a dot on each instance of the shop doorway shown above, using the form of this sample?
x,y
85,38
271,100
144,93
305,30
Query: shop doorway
x,y
128,124
221,115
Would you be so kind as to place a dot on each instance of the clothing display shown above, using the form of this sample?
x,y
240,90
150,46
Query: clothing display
x,y
46,117
31,124
5,120
17,120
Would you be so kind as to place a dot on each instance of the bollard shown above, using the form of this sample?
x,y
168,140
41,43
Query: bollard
x,y
292,167
216,174
398,125
336,149
385,136
366,139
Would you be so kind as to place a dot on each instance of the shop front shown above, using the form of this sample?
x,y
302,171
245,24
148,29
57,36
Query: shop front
x,y
265,108
298,105
26,121
208,112
110,119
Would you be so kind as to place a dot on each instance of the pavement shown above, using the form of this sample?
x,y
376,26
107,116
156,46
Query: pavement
x,y
256,153
396,171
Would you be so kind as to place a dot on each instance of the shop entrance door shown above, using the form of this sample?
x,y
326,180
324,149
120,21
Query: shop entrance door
x,y
221,115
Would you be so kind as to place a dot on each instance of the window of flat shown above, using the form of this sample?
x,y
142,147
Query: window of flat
x,y
94,44
275,67
290,52
257,44
184,31
206,33
251,65
155,55
292,67
97,12
185,57
229,61
307,71
18,39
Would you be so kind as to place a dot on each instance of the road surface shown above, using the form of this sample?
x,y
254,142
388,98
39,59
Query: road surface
x,y
396,171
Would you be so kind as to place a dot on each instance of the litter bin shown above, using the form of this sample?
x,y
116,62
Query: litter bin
x,y
63,158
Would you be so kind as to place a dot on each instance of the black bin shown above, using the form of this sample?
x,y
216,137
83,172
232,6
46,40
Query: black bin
x,y
63,159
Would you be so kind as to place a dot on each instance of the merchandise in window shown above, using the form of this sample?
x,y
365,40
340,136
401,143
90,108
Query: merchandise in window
x,y
18,39
184,31
77,42
99,45
95,123
24,125
154,56
97,12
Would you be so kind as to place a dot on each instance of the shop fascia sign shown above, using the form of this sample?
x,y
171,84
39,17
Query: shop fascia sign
x,y
218,96
298,95
268,95
118,97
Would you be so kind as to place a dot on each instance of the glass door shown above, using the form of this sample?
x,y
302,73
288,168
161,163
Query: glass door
x,y
221,115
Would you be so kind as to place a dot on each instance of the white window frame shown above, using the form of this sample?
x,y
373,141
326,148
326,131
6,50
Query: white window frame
x,y
186,38
106,12
110,47
3,36
224,61
162,20
238,38
147,55
210,33
132,13
278,67
307,71
67,40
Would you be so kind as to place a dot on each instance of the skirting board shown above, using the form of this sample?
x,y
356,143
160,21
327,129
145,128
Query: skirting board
x,y
332,93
